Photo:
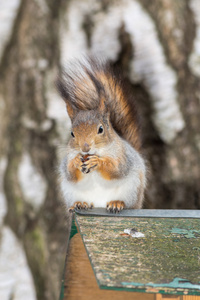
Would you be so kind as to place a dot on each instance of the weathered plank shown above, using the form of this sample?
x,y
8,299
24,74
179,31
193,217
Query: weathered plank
x,y
80,281
165,260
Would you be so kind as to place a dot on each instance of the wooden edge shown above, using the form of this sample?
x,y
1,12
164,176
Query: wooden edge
x,y
80,281
142,213
175,297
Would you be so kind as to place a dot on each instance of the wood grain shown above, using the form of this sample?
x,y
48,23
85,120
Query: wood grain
x,y
80,282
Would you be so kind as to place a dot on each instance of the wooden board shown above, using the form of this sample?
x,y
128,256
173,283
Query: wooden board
x,y
165,260
80,282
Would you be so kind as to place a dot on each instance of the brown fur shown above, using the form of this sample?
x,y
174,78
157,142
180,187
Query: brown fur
x,y
74,168
109,168
79,205
85,132
84,88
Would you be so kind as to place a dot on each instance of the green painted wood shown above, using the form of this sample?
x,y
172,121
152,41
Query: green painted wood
x,y
139,213
165,260
73,231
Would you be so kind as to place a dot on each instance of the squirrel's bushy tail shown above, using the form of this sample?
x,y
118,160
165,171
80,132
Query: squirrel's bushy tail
x,y
83,83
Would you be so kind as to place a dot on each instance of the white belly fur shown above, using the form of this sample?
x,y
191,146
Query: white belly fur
x,y
94,189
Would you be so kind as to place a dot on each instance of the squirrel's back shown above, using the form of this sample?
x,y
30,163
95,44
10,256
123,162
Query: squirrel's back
x,y
84,83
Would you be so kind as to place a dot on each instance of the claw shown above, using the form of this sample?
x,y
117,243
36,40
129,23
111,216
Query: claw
x,y
79,205
115,206
71,209
85,205
84,170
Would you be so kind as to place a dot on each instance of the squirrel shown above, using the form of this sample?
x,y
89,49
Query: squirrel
x,y
103,166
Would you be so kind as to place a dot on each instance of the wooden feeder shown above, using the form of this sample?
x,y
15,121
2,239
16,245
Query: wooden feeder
x,y
136,254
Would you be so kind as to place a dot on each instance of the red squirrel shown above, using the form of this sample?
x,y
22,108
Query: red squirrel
x,y
103,166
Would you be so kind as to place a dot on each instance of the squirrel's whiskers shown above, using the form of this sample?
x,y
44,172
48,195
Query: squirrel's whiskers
x,y
105,127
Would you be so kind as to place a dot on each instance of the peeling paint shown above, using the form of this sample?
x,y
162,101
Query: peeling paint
x,y
179,283
166,260
194,59
33,185
15,277
186,232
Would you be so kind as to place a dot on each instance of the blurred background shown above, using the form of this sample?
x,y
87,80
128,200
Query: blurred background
x,y
157,46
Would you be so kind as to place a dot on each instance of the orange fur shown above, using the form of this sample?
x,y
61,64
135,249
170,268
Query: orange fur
x,y
104,117
75,173
115,91
115,206
90,81
108,167
80,205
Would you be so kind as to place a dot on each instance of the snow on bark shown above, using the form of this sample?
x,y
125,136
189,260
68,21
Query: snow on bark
x,y
148,65
105,35
15,278
32,183
194,60
56,110
73,39
8,13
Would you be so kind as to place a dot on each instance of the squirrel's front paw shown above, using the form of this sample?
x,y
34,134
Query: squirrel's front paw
x,y
78,162
90,164
115,206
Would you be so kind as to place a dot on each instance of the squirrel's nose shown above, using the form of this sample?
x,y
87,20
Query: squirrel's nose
x,y
85,147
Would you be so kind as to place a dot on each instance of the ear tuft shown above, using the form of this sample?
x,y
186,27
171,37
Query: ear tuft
x,y
102,105
64,93
60,85
72,111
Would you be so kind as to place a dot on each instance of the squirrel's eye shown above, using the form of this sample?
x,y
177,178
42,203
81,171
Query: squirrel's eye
x,y
72,134
100,130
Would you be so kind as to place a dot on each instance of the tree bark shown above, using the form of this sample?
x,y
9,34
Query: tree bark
x,y
156,45
29,142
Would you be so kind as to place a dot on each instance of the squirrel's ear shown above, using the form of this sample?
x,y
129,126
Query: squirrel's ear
x,y
72,111
103,109
102,105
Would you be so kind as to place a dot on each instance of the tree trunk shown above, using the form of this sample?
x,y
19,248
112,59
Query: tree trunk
x,y
28,145
156,44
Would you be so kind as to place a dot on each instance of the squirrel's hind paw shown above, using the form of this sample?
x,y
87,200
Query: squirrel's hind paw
x,y
115,206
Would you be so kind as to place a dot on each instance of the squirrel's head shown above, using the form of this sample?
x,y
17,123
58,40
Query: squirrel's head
x,y
91,129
